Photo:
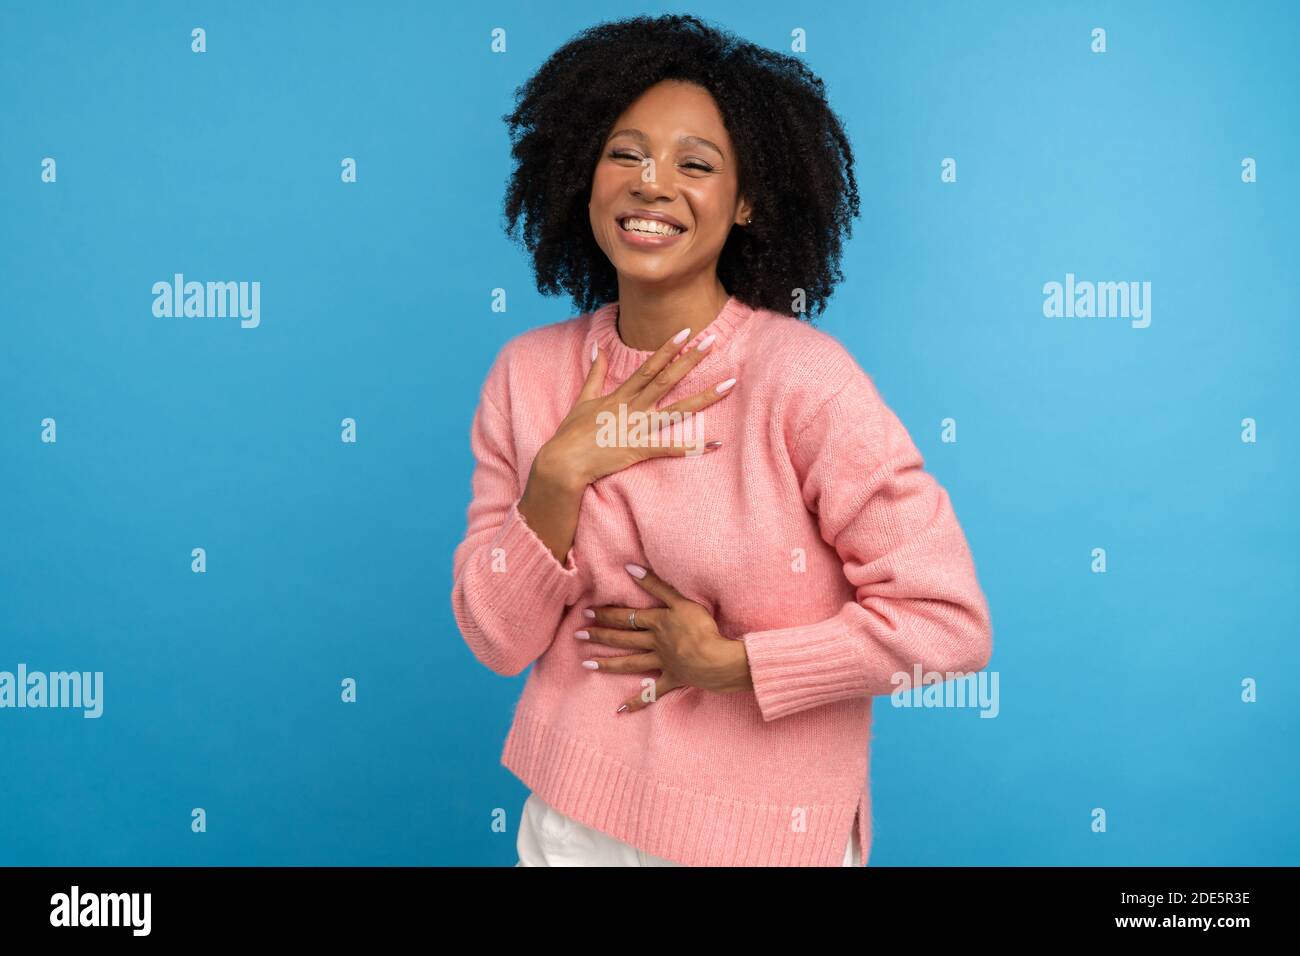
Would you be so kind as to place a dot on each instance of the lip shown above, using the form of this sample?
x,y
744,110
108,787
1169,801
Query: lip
x,y
649,214
637,240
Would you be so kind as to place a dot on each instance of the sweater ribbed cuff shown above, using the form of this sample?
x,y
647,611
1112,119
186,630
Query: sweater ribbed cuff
x,y
528,569
794,668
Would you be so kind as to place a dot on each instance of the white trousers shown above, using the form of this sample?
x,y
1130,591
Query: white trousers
x,y
549,838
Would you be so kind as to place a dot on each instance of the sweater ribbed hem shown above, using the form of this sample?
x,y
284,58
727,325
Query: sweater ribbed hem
x,y
506,582
795,668
532,563
689,827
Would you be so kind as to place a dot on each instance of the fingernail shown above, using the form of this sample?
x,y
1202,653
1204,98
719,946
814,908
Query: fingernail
x,y
708,340
712,444
582,635
621,709
680,337
725,385
593,351
588,612
635,570
590,665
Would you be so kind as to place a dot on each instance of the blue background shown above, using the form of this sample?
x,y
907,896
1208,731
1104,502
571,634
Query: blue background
x,y
328,560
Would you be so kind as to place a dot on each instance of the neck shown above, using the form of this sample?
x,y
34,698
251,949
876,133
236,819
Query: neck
x,y
649,315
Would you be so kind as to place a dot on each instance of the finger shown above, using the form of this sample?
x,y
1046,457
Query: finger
x,y
692,447
613,637
671,434
650,368
647,618
654,584
595,376
650,693
702,399
628,663
663,383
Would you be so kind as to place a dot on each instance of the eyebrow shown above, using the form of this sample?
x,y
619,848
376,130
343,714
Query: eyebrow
x,y
684,140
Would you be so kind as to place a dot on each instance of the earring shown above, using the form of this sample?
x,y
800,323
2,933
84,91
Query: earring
x,y
749,222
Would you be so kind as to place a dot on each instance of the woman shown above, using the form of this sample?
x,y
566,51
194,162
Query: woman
x,y
709,606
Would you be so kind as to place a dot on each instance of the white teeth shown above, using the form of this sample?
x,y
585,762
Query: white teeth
x,y
650,226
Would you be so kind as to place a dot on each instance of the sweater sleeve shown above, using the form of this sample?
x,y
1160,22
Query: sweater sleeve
x,y
509,592
917,599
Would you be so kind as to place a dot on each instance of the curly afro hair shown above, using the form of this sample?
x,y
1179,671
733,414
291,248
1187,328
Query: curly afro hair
x,y
795,161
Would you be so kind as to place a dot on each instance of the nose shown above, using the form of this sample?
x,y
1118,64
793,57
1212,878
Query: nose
x,y
655,182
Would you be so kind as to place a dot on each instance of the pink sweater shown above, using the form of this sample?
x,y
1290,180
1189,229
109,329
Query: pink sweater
x,y
813,535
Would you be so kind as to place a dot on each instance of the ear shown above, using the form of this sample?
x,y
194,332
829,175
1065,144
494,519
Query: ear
x,y
744,211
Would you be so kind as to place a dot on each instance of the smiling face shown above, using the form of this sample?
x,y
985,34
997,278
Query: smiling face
x,y
669,159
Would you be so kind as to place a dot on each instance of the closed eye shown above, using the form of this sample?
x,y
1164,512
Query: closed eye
x,y
691,165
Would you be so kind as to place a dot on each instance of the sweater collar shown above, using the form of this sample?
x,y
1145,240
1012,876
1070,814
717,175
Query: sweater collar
x,y
624,360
